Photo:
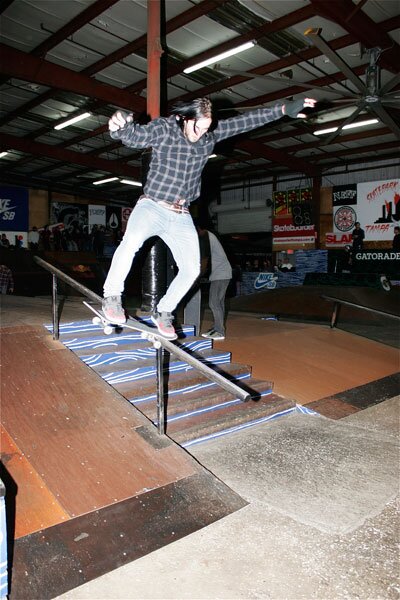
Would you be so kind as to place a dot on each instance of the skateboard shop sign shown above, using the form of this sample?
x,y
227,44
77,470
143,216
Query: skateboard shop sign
x,y
14,209
285,233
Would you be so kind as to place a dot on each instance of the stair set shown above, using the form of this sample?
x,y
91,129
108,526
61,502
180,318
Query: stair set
x,y
197,409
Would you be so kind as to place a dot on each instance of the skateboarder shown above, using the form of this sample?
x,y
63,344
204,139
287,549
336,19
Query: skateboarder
x,y
181,145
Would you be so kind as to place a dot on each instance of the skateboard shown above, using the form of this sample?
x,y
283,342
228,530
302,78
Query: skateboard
x,y
147,332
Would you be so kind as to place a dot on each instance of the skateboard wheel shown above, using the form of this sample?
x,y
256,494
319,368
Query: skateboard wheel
x,y
108,329
157,345
385,283
96,320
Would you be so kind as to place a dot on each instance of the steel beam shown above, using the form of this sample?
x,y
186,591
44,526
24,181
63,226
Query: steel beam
x,y
15,63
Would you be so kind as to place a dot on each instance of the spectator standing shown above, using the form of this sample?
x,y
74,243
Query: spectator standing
x,y
220,276
33,239
45,235
358,236
4,241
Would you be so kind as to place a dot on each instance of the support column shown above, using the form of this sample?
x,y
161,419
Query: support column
x,y
316,206
155,266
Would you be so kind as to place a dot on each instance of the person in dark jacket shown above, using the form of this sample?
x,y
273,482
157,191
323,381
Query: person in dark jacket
x,y
358,236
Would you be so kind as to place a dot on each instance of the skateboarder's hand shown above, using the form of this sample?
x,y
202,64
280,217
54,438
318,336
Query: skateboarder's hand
x,y
119,120
293,108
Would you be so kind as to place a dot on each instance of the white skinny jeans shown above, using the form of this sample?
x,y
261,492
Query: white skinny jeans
x,y
177,230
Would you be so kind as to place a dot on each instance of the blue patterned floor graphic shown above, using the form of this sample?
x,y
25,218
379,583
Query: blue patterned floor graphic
x,y
212,408
108,351
114,378
113,358
186,390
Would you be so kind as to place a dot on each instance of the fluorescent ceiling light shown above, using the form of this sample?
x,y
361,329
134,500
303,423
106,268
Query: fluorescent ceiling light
x,y
101,181
350,126
73,120
131,182
3,153
210,61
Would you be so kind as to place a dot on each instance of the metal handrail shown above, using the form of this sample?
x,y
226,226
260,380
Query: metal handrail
x,y
338,301
171,347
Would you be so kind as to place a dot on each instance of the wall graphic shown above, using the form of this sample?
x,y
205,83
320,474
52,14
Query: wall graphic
x,y
113,217
70,215
375,204
292,223
97,215
14,209
307,261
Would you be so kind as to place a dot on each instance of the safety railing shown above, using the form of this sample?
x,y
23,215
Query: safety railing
x,y
172,347
337,302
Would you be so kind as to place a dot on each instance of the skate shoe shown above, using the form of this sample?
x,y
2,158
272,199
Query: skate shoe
x,y
113,310
208,333
163,322
215,335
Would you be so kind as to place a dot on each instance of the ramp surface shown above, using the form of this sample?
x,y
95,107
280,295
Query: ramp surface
x,y
95,485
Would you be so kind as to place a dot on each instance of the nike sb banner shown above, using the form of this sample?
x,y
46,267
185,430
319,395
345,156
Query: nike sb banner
x,y
14,208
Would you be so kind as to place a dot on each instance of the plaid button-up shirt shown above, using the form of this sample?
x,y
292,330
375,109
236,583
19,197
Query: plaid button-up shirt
x,y
176,164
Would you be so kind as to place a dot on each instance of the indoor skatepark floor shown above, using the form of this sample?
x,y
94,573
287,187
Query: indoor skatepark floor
x,y
321,548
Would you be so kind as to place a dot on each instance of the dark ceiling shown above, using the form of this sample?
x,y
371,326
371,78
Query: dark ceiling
x,y
60,58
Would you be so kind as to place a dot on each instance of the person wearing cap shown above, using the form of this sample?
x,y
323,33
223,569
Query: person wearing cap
x,y
181,145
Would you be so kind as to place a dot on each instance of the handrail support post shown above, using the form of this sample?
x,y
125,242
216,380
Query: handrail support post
x,y
160,391
56,330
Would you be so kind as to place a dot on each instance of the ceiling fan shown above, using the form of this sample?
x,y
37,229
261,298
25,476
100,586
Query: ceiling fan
x,y
370,96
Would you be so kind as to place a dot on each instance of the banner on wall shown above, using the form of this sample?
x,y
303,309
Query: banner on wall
x,y
285,201
113,217
285,233
97,215
292,224
70,215
376,205
14,209
344,195
280,203
338,240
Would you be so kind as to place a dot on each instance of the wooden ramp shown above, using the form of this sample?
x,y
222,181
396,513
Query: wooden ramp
x,y
92,484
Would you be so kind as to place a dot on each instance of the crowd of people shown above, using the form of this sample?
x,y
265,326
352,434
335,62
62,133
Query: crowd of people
x,y
75,239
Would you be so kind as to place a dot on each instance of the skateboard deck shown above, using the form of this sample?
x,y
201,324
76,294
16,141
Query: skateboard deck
x,y
146,331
